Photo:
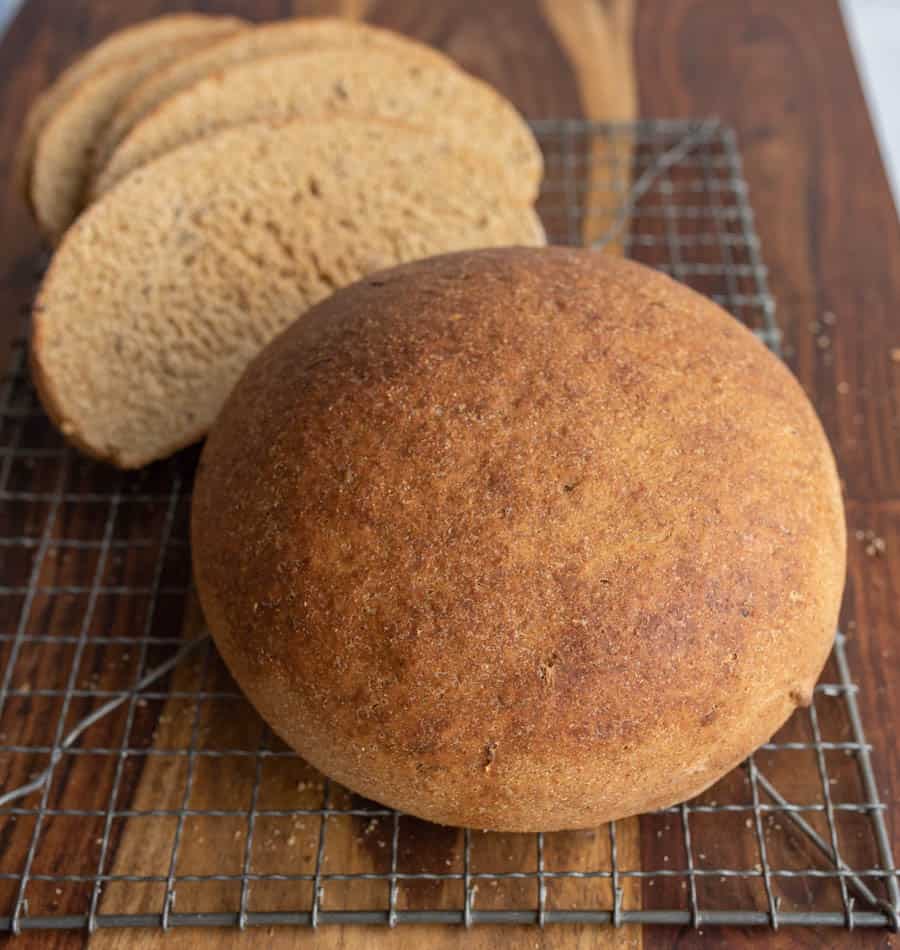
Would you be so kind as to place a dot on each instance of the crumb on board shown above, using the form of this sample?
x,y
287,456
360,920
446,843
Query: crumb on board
x,y
874,545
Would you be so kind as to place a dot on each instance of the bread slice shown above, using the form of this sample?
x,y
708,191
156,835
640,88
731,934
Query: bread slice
x,y
269,39
63,158
121,46
165,289
423,91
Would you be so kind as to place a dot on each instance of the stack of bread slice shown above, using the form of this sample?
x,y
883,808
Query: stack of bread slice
x,y
234,175
55,150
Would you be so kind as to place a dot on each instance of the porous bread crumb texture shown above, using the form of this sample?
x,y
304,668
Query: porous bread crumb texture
x,y
63,156
116,48
520,539
367,81
164,290
284,36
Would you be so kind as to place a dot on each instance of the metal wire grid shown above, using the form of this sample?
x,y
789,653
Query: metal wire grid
x,y
96,665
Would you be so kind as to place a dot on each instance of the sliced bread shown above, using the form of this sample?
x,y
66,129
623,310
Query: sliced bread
x,y
165,289
268,39
123,45
423,91
63,158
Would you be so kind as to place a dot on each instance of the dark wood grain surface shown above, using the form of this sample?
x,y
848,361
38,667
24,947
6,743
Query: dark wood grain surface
x,y
782,74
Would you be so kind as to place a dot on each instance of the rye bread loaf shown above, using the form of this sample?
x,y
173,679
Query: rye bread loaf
x,y
118,47
63,157
163,291
268,39
425,91
520,539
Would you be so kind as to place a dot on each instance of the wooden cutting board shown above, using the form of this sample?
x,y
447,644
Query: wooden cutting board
x,y
782,74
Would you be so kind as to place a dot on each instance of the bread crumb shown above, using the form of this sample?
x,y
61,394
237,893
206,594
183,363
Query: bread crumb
x,y
875,546
843,388
895,354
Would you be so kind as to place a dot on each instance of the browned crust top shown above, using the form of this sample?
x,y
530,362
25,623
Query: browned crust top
x,y
519,519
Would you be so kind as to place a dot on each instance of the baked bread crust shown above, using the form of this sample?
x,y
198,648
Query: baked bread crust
x,y
520,539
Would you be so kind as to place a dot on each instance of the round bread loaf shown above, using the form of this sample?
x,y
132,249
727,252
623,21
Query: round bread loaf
x,y
520,539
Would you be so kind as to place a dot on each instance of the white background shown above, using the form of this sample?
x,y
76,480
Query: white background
x,y
874,29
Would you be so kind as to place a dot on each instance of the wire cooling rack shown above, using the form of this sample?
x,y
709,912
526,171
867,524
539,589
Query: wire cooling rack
x,y
139,789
